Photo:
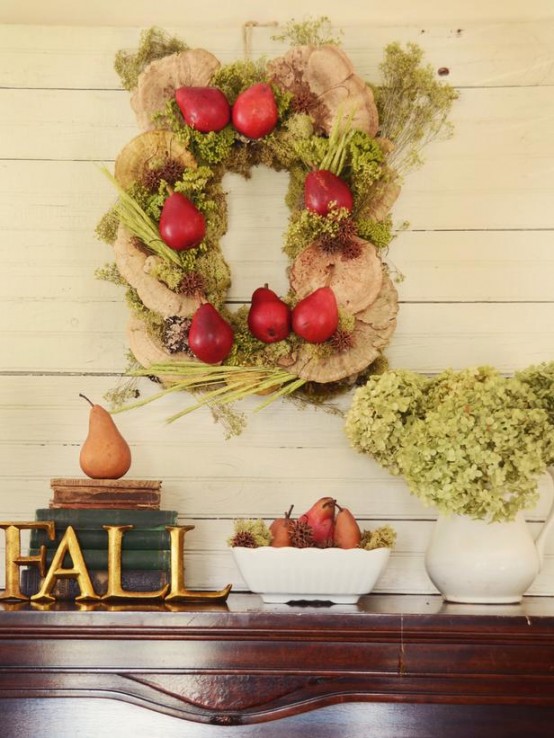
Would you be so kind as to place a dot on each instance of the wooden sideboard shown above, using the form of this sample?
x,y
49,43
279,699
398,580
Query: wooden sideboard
x,y
391,666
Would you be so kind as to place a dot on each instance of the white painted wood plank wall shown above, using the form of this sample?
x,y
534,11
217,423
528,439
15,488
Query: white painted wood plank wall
x,y
477,257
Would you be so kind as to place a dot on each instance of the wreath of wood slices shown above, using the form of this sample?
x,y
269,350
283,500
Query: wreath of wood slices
x,y
307,112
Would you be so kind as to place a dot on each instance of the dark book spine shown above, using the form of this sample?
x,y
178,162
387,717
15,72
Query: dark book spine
x,y
99,517
68,589
98,559
136,539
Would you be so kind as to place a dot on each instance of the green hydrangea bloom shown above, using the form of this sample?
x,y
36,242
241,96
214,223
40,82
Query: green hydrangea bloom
x,y
469,442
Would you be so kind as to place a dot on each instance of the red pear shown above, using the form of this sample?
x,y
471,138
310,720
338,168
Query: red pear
x,y
255,111
269,318
321,518
204,108
281,529
210,335
323,191
347,531
182,225
316,317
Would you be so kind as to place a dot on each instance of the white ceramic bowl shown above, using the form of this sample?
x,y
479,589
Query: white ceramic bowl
x,y
336,575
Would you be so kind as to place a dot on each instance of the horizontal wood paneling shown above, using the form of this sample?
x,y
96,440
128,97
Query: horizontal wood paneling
x,y
428,336
80,60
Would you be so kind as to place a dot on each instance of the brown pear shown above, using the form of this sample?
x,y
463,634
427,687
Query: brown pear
x,y
281,530
105,454
347,531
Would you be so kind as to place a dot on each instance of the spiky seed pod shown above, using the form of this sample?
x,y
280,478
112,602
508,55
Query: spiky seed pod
x,y
170,171
193,283
341,341
243,538
301,535
342,241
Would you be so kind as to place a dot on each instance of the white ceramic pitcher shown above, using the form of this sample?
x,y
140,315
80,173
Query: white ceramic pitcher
x,y
475,561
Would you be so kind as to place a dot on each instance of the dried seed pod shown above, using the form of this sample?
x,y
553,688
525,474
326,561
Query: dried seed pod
x,y
150,152
301,535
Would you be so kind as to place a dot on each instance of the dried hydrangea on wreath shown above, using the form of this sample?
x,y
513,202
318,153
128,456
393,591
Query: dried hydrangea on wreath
x,y
345,145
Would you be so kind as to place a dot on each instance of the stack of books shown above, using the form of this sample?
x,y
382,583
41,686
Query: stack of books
x,y
87,505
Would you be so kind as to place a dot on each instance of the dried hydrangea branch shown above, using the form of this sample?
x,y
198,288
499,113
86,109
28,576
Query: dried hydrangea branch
x,y
413,106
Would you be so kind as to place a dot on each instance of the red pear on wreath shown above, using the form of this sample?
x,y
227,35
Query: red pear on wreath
x,y
255,112
316,317
324,191
182,225
269,318
205,109
210,335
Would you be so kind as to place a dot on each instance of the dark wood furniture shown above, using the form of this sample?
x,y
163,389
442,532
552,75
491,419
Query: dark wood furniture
x,y
400,666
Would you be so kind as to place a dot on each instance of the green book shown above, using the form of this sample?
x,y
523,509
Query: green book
x,y
97,559
68,589
135,539
98,517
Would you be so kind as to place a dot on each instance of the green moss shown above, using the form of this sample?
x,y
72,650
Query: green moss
x,y
154,44
106,230
316,31
215,270
383,537
213,147
363,166
110,273
167,272
257,529
294,199
196,183
311,150
279,150
305,227
347,321
235,77
379,233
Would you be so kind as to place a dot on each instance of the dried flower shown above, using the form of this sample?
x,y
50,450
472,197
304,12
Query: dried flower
x,y
383,537
413,106
250,533
470,442
314,31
